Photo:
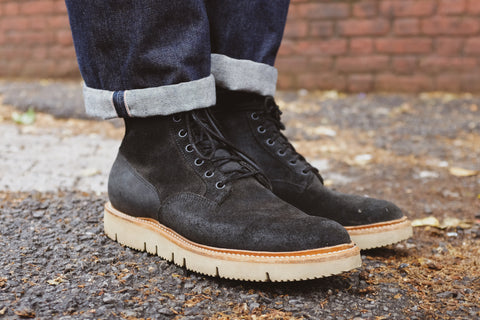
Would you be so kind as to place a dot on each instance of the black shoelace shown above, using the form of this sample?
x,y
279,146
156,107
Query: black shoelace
x,y
210,145
271,114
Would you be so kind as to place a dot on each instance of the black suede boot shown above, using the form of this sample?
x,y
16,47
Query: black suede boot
x,y
179,190
252,123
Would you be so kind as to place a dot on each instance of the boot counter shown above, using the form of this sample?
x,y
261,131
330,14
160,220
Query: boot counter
x,y
131,193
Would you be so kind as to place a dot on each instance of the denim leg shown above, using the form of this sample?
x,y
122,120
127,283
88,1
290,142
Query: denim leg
x,y
144,57
245,37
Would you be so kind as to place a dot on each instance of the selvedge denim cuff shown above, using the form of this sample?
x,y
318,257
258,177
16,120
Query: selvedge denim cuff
x,y
163,100
244,75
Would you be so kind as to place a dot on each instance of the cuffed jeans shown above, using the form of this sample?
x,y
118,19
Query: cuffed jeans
x,y
142,58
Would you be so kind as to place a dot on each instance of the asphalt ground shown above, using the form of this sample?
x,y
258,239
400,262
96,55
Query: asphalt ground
x,y
420,151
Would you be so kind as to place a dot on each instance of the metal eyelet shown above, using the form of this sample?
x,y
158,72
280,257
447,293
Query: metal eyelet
x,y
209,174
182,133
254,116
176,118
189,148
270,142
281,153
219,185
292,162
304,172
261,129
198,162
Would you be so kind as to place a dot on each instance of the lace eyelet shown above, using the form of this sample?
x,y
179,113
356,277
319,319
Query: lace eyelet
x,y
261,129
182,133
270,142
219,185
176,118
189,148
209,174
281,153
304,172
254,116
292,163
198,162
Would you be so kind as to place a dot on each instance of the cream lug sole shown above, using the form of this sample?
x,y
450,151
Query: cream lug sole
x,y
149,235
380,234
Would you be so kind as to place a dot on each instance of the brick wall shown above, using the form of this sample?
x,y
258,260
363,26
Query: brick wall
x,y
35,40
382,45
348,45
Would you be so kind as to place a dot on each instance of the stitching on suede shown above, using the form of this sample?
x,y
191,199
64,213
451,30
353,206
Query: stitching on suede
x,y
141,179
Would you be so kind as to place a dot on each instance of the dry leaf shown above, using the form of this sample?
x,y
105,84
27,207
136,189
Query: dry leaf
x,y
55,281
461,172
428,221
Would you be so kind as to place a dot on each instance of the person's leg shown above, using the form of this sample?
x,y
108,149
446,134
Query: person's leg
x,y
245,37
139,58
177,188
244,53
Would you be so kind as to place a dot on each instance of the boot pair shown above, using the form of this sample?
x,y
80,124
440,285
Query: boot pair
x,y
237,201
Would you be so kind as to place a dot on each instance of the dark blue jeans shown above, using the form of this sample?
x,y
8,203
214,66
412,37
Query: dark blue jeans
x,y
150,57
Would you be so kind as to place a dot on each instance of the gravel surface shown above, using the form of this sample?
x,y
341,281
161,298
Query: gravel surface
x,y
419,151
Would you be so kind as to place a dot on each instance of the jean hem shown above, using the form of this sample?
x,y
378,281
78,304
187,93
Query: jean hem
x,y
154,101
244,75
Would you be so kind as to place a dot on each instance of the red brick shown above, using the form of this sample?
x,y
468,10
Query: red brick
x,y
451,7
472,46
286,81
61,51
31,38
406,27
403,45
362,64
395,83
361,45
287,48
60,7
64,37
470,82
321,10
322,81
322,47
38,24
404,65
363,27
39,53
448,82
407,8
365,9
473,7
11,9
451,26
296,29
292,64
15,23
440,64
448,46
37,7
321,28
360,83
321,63
60,21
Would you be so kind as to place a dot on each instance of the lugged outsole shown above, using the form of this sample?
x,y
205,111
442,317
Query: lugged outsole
x,y
380,234
149,235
